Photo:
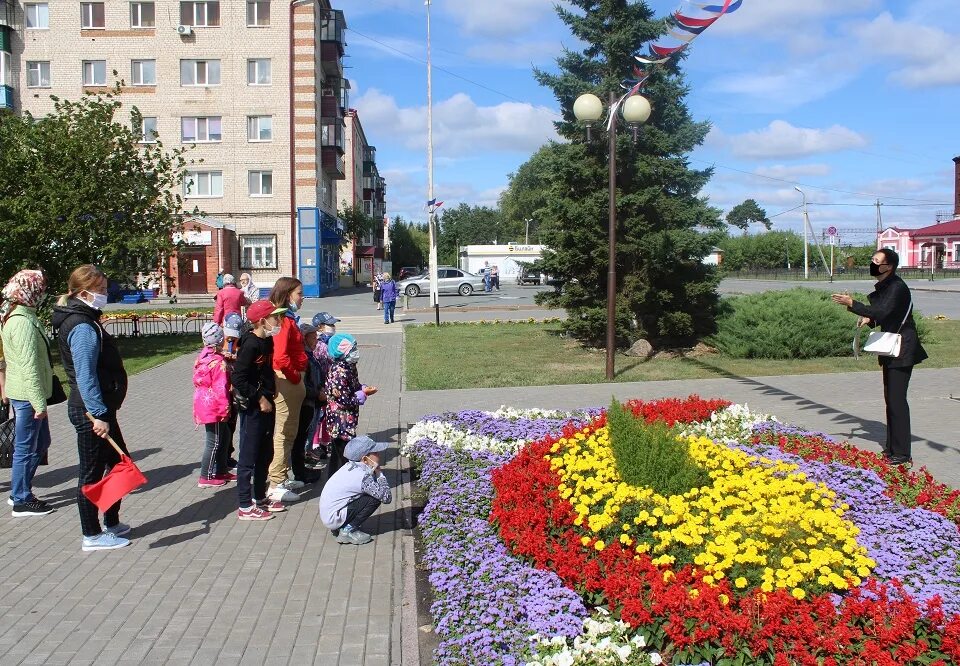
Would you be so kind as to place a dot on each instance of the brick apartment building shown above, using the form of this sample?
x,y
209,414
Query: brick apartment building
x,y
255,88
363,188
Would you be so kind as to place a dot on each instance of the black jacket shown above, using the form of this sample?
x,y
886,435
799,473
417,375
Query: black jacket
x,y
888,305
252,375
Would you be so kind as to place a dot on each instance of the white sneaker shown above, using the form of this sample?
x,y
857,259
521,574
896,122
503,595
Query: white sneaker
x,y
293,484
281,494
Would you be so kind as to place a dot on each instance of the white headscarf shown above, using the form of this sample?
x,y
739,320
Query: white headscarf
x,y
251,290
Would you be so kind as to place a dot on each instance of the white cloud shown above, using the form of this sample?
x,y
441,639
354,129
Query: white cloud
x,y
920,56
780,139
460,126
774,18
499,18
793,172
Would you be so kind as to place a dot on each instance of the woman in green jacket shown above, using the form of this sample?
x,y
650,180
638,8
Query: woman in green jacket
x,y
29,384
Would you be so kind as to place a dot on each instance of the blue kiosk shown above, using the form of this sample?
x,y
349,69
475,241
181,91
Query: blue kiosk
x,y
321,237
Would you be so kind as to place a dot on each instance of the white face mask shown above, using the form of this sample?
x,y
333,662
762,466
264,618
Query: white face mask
x,y
98,301
273,331
353,357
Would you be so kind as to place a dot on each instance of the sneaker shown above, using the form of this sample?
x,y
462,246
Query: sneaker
x,y
10,501
226,476
310,479
253,512
354,537
232,464
293,484
104,541
893,460
118,530
32,507
211,482
273,506
281,494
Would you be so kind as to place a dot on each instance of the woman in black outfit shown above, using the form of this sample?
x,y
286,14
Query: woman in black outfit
x,y
891,308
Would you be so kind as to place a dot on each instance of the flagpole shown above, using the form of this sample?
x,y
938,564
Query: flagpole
x,y
431,207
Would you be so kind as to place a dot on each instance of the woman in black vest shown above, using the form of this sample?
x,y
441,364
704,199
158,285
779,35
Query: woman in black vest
x,y
891,308
98,383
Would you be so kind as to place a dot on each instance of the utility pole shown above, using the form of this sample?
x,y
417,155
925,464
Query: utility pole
x,y
526,235
434,290
806,226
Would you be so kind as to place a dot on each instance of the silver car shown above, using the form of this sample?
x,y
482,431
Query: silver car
x,y
450,280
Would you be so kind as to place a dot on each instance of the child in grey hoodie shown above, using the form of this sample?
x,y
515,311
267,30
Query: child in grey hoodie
x,y
355,491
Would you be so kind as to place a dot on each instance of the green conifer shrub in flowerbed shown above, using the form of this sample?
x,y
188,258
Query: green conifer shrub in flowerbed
x,y
651,455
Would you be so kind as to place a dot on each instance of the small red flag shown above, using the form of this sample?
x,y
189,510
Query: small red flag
x,y
124,478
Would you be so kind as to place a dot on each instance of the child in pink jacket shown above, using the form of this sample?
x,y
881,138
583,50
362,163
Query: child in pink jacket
x,y
211,407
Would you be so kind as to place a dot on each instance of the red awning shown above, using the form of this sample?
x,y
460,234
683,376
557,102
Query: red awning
x,y
369,251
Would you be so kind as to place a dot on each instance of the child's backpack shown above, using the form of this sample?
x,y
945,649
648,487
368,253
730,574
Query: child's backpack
x,y
219,280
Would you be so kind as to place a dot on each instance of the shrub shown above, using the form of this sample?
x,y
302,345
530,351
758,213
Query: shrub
x,y
651,455
796,323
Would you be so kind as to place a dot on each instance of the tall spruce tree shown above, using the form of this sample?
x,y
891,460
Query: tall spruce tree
x,y
664,291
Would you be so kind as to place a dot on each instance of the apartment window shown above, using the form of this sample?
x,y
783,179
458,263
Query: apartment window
x,y
143,72
37,15
200,14
258,251
199,72
259,128
203,184
201,129
258,72
6,71
258,13
147,129
260,183
143,15
956,252
92,15
38,74
94,72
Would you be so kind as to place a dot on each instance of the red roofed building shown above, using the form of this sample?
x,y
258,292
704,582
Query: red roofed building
x,y
938,244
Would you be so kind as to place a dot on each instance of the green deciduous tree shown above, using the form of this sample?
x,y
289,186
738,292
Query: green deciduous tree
x,y
773,249
747,213
472,225
77,187
664,291
405,249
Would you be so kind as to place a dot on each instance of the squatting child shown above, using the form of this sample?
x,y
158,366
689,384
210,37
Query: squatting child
x,y
355,492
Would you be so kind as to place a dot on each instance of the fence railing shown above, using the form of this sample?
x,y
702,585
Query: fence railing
x,y
857,273
134,326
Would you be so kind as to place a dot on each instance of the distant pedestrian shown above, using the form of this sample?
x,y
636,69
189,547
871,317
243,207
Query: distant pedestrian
x,y
891,308
29,385
231,299
289,362
345,395
255,384
485,272
377,280
355,492
249,287
495,277
211,408
388,294
98,386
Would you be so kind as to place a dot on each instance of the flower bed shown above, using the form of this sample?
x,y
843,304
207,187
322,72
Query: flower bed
x,y
844,569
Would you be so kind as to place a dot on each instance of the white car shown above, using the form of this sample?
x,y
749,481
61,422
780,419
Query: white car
x,y
450,280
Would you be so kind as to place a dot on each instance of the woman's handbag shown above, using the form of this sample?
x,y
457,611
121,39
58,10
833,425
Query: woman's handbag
x,y
7,434
59,395
887,344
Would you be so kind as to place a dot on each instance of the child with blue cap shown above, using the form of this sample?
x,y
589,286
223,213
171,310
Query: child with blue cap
x,y
345,394
355,492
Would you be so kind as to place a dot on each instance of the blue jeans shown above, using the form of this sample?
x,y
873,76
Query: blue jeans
x,y
31,440
389,307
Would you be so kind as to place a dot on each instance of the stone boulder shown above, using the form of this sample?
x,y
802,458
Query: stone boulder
x,y
640,349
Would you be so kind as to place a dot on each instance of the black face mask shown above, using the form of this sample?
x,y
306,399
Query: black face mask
x,y
875,270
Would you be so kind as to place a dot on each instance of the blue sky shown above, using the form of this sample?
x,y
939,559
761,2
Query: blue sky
x,y
852,100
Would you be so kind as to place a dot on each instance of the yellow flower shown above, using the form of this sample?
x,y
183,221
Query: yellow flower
x,y
798,593
740,583
599,545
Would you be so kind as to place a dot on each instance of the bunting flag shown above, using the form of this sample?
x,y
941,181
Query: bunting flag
x,y
433,203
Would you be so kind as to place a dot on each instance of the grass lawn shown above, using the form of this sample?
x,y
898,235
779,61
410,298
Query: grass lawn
x,y
142,353
495,355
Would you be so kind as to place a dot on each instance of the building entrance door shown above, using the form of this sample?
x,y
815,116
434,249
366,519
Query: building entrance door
x,y
192,271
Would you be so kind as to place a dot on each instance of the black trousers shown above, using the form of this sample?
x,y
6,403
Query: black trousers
x,y
359,509
255,455
298,462
97,458
896,381
337,459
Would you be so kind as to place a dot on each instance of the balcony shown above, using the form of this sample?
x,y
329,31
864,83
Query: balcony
x,y
6,15
331,161
332,42
6,97
332,147
330,107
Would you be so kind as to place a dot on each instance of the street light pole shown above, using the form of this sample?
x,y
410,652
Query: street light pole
x,y
806,225
432,220
526,234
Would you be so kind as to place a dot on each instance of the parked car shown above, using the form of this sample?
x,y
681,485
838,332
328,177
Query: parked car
x,y
529,276
450,280
409,271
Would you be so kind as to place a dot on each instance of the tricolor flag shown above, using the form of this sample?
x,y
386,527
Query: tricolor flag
x,y
434,203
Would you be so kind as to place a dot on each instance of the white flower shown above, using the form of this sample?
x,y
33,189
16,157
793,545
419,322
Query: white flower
x,y
655,659
563,659
624,652
639,641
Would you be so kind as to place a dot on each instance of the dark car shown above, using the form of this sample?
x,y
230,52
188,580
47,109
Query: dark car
x,y
529,276
408,271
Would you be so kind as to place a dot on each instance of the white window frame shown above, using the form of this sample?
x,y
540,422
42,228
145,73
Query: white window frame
x,y
212,180
255,183
6,69
956,252
137,68
201,13
40,17
88,15
255,129
38,67
136,15
195,69
201,129
255,67
144,128
93,65
258,251
253,11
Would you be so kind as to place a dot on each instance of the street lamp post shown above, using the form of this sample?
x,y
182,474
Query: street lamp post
x,y
526,235
636,110
806,225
